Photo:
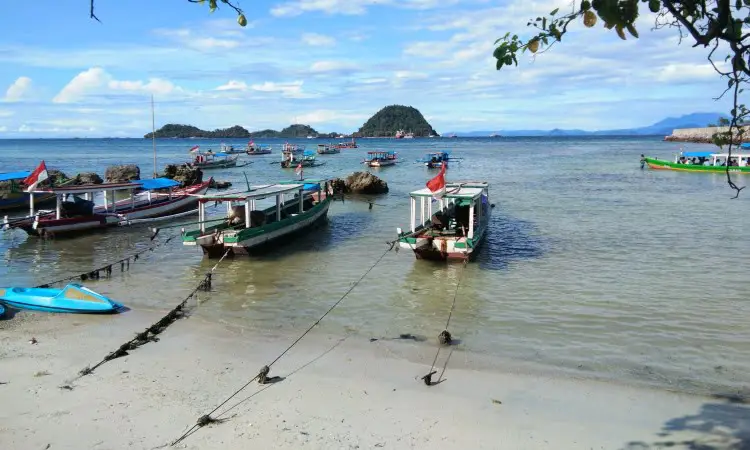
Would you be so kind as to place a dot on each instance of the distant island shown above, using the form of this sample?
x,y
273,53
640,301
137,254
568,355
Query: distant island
x,y
661,128
188,131
394,119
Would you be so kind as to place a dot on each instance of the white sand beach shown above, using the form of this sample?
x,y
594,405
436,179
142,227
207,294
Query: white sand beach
x,y
338,393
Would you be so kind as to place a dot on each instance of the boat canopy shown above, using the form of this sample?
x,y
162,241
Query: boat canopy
x,y
222,154
86,188
745,145
14,175
465,190
697,154
158,183
256,192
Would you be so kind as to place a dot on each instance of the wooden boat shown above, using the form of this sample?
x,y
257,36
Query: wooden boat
x,y
15,197
307,160
293,149
210,160
75,211
254,149
73,298
324,149
381,159
455,230
706,162
435,160
249,227
230,150
343,145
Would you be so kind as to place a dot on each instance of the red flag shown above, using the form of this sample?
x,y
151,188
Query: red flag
x,y
194,149
437,184
298,170
37,176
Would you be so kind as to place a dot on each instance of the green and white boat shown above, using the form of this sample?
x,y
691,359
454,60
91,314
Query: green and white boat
x,y
455,230
705,162
298,207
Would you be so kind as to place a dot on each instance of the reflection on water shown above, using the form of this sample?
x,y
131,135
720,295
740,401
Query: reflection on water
x,y
591,265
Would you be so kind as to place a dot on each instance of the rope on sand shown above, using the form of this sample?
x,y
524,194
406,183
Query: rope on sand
x,y
445,338
262,375
150,333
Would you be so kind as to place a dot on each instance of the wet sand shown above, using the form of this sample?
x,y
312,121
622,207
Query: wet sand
x,y
337,392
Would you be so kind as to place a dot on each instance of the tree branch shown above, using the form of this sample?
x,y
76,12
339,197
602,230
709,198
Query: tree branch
x,y
91,12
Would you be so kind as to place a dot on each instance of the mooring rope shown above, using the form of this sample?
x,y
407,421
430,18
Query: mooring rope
x,y
445,338
124,263
262,375
149,335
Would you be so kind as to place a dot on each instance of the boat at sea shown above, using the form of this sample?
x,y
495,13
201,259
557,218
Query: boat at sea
x,y
702,161
230,150
343,145
292,148
210,160
435,160
15,197
380,158
298,206
456,229
307,159
324,149
256,149
76,212
73,298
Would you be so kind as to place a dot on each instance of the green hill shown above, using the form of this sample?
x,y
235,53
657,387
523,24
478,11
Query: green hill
x,y
391,119
172,130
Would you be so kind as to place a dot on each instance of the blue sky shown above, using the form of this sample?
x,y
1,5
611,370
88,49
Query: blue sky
x,y
330,64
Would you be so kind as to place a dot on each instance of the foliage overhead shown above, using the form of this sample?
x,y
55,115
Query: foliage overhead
x,y
716,25
391,119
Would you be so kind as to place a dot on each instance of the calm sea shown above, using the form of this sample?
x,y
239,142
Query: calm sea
x,y
592,265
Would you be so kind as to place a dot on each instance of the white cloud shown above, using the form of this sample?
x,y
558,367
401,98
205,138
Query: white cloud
x,y
233,85
409,75
318,40
18,90
289,90
190,39
6,113
98,81
686,72
354,7
3,129
328,116
332,66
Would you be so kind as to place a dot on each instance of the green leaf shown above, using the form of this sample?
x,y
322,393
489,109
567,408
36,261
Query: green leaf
x,y
544,23
554,11
212,5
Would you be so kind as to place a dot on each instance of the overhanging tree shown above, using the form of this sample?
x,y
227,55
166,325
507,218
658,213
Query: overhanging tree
x,y
716,25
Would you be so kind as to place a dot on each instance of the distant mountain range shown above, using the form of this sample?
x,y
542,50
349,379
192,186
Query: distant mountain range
x,y
661,128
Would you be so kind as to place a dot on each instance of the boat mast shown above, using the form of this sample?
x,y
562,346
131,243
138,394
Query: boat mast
x,y
153,134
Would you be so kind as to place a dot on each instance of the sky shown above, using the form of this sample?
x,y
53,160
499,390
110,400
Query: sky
x,y
330,64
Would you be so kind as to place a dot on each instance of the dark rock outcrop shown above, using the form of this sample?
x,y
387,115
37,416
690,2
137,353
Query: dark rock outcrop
x,y
360,183
122,173
184,174
88,178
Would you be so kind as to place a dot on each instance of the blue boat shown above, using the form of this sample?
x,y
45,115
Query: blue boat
x,y
73,298
2,310
435,160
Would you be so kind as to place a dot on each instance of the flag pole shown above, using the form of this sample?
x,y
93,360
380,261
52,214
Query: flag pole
x,y
153,134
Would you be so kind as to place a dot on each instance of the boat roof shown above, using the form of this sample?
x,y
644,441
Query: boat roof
x,y
463,190
158,183
256,192
14,175
86,188
705,154
380,151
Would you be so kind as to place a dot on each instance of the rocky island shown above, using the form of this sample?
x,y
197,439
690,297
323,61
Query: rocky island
x,y
394,119
188,131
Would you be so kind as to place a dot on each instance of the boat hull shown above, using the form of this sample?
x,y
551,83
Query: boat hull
x,y
658,164
248,242
380,163
50,227
216,165
259,152
71,299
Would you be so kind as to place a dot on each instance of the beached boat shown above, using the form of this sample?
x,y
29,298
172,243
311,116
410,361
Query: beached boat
x,y
210,160
73,298
704,161
15,197
380,159
456,229
435,160
75,211
324,149
248,227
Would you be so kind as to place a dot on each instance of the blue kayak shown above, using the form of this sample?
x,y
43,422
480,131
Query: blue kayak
x,y
73,298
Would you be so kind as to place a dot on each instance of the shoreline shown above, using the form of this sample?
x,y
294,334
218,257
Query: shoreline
x,y
338,392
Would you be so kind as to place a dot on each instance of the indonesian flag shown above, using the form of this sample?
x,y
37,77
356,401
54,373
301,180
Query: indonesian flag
x,y
195,149
437,184
298,170
252,142
37,176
